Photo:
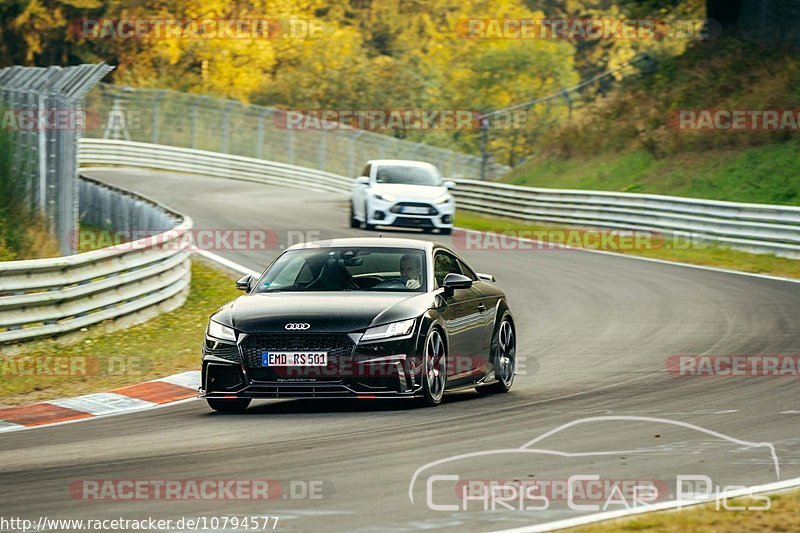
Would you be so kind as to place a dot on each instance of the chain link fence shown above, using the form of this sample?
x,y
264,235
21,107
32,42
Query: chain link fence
x,y
207,123
43,118
508,134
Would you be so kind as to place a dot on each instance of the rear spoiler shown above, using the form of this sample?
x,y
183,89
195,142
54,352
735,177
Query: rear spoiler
x,y
485,277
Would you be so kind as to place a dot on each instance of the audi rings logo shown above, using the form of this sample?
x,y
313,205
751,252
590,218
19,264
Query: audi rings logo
x,y
297,326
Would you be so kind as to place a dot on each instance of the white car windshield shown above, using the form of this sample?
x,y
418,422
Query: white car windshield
x,y
408,175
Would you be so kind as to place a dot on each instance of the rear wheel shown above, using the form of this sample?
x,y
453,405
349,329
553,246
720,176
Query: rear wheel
x,y
504,348
434,378
354,223
237,405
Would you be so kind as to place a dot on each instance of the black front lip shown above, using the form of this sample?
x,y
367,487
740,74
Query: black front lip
x,y
395,354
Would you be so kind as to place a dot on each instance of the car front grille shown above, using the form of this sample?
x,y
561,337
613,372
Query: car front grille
x,y
397,208
339,348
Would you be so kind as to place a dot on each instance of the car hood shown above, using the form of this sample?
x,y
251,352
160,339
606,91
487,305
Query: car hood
x,y
323,311
402,191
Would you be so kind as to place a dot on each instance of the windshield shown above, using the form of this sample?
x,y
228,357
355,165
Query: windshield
x,y
408,175
346,269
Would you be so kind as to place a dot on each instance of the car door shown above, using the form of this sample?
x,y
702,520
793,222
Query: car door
x,y
464,320
488,307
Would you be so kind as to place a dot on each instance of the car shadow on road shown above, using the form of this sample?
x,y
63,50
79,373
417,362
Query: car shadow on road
x,y
351,405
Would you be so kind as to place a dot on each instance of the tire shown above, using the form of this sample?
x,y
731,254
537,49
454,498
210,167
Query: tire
x,y
228,406
504,349
434,369
367,225
427,230
354,223
446,231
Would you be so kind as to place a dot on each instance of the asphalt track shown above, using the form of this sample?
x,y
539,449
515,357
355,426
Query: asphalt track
x,y
595,331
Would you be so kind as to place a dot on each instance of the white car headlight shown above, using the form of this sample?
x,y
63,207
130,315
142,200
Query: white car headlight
x,y
218,331
444,199
385,197
395,329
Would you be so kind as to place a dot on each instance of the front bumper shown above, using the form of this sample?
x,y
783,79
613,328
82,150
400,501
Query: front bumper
x,y
389,369
388,214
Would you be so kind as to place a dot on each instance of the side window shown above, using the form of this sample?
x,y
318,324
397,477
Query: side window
x,y
467,271
366,171
444,264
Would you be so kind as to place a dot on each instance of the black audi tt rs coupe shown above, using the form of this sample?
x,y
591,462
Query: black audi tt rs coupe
x,y
360,318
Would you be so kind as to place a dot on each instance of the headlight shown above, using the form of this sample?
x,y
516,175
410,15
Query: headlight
x,y
444,199
218,331
395,329
385,197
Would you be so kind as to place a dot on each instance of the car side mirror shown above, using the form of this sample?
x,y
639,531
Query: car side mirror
x,y
243,284
362,180
454,281
450,184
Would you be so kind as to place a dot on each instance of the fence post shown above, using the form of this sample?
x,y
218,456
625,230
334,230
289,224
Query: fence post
x,y
260,133
195,104
322,150
484,146
156,114
226,127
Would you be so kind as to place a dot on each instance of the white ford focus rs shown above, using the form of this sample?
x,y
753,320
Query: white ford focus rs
x,y
408,194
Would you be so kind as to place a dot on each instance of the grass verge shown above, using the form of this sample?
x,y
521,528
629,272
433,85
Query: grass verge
x,y
764,174
782,516
658,248
100,361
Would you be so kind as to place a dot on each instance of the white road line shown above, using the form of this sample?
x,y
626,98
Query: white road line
x,y
190,379
103,403
662,506
227,263
8,426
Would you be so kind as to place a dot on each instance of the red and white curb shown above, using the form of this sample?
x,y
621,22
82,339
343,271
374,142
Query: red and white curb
x,y
148,395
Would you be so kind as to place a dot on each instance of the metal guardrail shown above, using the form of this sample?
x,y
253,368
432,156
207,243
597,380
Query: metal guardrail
x,y
757,228
47,107
44,297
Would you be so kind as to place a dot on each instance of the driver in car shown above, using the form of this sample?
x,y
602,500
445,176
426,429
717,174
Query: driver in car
x,y
410,271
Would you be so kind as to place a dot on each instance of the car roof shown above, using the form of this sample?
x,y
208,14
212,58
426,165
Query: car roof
x,y
375,242
404,162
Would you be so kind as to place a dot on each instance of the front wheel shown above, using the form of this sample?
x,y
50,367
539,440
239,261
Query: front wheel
x,y
354,223
367,225
446,231
504,349
237,405
434,379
